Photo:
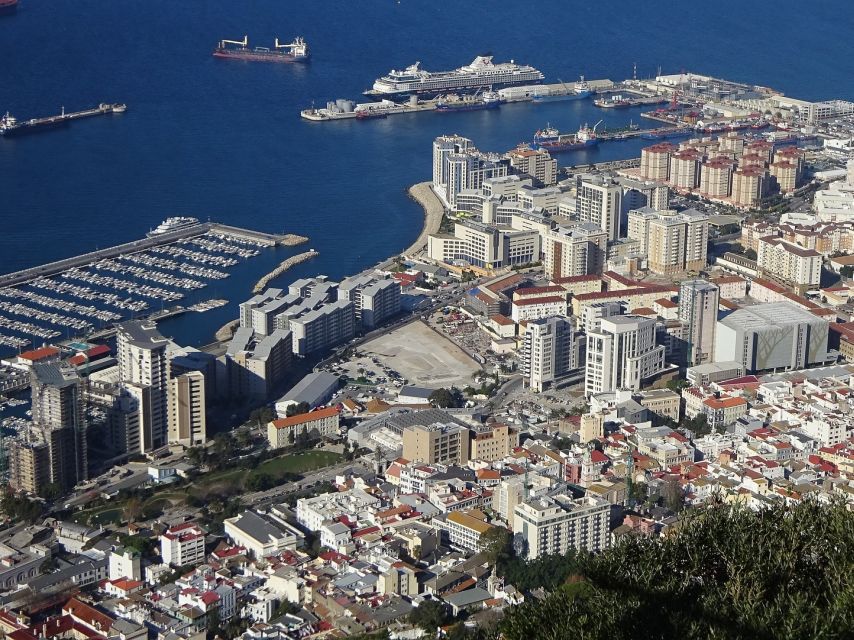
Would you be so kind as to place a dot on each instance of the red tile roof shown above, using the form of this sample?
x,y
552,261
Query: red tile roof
x,y
544,300
39,354
317,414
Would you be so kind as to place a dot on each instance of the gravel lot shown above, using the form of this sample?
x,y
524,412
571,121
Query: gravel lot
x,y
423,357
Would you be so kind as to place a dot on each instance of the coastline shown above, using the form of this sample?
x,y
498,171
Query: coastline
x,y
434,211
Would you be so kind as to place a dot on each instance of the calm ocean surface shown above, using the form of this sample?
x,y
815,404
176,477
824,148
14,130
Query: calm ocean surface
x,y
223,139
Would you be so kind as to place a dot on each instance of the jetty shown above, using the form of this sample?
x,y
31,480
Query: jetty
x,y
287,264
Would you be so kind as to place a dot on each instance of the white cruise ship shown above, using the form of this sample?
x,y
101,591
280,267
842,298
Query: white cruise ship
x,y
482,72
173,224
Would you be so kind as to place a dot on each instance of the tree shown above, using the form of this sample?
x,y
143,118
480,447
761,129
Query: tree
x,y
698,425
847,271
297,409
445,398
750,254
132,509
49,565
51,491
429,615
703,581
671,493
677,384
260,482
21,508
495,543
262,416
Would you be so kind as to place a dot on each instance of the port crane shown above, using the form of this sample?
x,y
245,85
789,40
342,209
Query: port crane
x,y
243,43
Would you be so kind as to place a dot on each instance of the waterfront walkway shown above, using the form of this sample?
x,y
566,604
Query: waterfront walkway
x,y
423,194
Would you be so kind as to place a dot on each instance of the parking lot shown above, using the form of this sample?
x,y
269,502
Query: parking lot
x,y
421,356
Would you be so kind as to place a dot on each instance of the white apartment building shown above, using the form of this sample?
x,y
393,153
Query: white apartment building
x,y
322,328
554,525
801,267
673,242
458,166
547,353
144,371
375,300
600,204
536,308
621,354
183,544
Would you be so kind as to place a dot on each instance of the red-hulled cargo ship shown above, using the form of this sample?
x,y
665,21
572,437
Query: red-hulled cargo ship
x,y
296,51
8,6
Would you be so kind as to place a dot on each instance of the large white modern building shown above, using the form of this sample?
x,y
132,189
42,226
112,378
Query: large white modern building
x,y
485,246
599,202
775,335
261,536
375,300
621,354
144,372
547,353
458,166
554,525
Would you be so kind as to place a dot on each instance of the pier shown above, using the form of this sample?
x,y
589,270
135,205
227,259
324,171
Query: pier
x,y
10,126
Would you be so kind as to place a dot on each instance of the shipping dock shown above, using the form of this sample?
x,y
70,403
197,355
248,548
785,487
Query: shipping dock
x,y
10,126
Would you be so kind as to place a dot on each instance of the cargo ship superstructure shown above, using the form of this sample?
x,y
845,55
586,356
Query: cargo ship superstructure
x,y
554,141
296,51
482,73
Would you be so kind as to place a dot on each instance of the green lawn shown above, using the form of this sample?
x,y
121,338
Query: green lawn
x,y
298,463
108,515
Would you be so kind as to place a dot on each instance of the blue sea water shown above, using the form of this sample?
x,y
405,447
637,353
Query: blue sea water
x,y
223,140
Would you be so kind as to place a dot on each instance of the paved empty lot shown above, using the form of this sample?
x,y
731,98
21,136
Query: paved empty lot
x,y
423,357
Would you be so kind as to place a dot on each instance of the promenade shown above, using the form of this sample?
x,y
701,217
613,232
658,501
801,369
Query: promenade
x,y
423,194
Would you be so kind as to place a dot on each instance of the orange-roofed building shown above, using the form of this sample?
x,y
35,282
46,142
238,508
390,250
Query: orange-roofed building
x,y
320,423
721,412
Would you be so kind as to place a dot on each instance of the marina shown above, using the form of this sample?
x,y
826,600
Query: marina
x,y
87,295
